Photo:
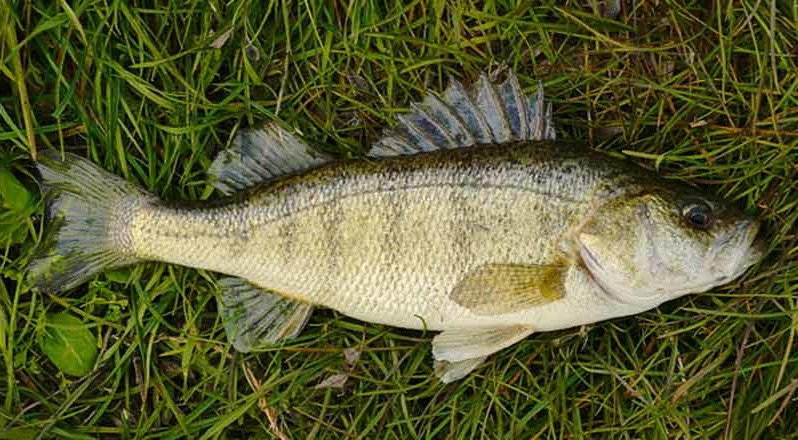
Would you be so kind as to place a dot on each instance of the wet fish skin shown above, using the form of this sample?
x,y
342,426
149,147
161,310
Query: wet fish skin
x,y
487,243
388,240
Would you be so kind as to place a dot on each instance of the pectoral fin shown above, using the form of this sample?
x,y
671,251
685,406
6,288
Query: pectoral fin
x,y
495,289
255,317
458,351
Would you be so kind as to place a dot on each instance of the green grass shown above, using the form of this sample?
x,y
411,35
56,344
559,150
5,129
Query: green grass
x,y
703,93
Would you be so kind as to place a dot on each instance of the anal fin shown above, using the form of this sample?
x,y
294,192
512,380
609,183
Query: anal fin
x,y
255,317
458,351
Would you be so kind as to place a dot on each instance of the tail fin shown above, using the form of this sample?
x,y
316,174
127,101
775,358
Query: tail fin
x,y
86,218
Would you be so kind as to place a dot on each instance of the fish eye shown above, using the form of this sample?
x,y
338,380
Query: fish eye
x,y
698,215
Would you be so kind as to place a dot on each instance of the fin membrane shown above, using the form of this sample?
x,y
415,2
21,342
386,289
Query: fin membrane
x,y
488,113
260,155
83,222
460,344
495,289
254,317
458,351
449,372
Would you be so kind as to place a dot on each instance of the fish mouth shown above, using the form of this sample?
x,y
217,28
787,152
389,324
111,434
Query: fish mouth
x,y
757,251
747,248
756,244
753,244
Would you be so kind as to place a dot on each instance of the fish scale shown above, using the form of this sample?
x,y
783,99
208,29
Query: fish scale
x,y
388,217
468,217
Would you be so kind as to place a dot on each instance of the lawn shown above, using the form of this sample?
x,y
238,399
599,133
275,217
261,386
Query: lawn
x,y
152,92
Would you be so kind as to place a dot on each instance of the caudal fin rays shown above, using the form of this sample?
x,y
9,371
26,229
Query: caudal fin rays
x,y
85,205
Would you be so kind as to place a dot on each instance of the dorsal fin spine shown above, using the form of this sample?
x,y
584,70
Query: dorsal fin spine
x,y
434,121
453,124
514,106
486,113
493,110
463,105
418,135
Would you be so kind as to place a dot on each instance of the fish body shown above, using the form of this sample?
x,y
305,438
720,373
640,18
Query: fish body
x,y
471,220
387,241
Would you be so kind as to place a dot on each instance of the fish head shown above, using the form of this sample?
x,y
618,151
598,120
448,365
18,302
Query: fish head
x,y
664,243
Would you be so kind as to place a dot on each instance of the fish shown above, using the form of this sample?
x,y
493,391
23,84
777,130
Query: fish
x,y
468,218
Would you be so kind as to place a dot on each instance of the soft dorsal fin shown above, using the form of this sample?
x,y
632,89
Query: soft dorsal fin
x,y
487,113
259,155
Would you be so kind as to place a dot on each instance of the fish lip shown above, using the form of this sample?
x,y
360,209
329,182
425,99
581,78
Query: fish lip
x,y
749,247
756,244
757,251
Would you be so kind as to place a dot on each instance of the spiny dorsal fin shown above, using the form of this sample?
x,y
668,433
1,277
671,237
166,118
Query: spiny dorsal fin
x,y
254,317
488,113
259,155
